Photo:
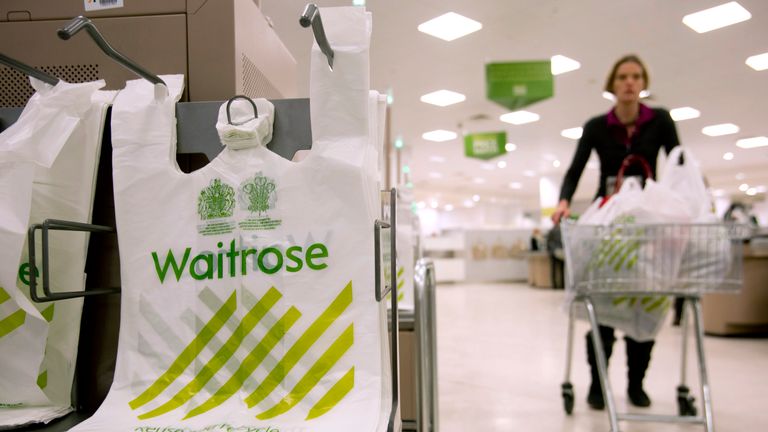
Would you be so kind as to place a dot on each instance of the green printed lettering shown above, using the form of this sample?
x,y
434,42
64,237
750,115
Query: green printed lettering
x,y
290,254
278,257
244,255
208,259
232,254
311,255
170,260
24,271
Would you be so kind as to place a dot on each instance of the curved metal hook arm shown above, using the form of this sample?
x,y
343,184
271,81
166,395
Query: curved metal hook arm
x,y
81,22
28,70
311,16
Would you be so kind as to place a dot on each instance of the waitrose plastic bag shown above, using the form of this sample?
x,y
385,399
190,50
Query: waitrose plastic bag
x,y
48,162
618,242
248,285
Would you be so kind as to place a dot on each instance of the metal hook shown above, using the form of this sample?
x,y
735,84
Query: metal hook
x,y
28,70
81,22
311,16
253,104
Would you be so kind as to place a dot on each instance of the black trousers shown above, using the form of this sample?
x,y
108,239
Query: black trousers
x,y
638,355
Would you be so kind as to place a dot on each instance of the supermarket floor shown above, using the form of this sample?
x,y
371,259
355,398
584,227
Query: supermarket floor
x,y
501,359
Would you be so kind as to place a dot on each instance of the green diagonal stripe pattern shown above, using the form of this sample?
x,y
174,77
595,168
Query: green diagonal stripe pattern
x,y
221,357
315,373
4,296
12,322
301,346
48,312
250,363
188,355
334,395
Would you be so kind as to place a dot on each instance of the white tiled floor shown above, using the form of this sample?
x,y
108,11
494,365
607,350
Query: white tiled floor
x,y
501,360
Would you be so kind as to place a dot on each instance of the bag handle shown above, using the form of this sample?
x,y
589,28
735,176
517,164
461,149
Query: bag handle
x,y
630,160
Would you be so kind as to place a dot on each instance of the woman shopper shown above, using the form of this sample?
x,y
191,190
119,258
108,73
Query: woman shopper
x,y
629,128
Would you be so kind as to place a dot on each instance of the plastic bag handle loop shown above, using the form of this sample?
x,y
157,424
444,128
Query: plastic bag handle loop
x,y
229,104
628,162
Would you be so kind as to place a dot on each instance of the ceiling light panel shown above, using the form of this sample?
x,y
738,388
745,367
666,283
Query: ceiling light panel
x,y
519,117
449,26
562,64
717,17
443,98
510,147
572,133
439,135
684,113
748,143
720,129
758,62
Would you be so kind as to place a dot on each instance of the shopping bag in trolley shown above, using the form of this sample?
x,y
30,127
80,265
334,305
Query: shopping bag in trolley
x,y
248,298
708,254
48,161
618,246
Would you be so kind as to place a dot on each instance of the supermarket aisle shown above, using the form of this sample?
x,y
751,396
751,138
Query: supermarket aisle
x,y
501,357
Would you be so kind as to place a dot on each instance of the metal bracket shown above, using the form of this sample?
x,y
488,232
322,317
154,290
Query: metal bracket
x,y
311,16
28,70
58,225
78,23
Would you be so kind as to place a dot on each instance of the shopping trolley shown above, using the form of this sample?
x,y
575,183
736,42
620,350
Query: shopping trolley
x,y
643,261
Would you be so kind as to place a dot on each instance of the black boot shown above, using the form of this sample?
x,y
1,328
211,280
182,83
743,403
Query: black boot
x,y
595,397
638,358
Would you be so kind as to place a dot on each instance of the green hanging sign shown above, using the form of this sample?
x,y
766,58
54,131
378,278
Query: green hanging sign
x,y
486,145
515,85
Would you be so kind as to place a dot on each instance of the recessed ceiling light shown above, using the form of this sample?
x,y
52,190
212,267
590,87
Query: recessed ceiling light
x,y
758,62
510,147
644,94
519,117
684,113
502,164
434,204
443,98
448,207
608,95
515,185
751,192
438,159
529,173
761,189
469,203
728,156
717,17
562,64
478,180
475,198
743,187
748,143
572,133
435,175
449,26
720,129
556,163
358,2
439,135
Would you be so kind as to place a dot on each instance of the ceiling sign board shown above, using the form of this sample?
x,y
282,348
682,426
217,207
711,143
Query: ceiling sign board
x,y
515,85
486,145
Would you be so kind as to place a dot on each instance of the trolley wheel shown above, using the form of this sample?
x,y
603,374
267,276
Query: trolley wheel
x,y
686,405
567,392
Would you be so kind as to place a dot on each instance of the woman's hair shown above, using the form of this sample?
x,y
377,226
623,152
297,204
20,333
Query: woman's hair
x,y
629,58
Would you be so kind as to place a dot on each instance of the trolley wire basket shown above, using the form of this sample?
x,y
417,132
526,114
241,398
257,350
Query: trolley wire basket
x,y
653,258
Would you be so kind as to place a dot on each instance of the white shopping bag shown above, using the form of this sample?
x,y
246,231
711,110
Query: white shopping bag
x,y
48,161
708,253
248,296
624,252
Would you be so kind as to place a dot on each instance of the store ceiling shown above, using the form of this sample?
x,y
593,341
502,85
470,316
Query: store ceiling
x,y
703,71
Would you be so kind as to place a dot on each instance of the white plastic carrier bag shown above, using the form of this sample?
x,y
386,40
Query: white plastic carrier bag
x,y
248,298
619,242
48,162
708,253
